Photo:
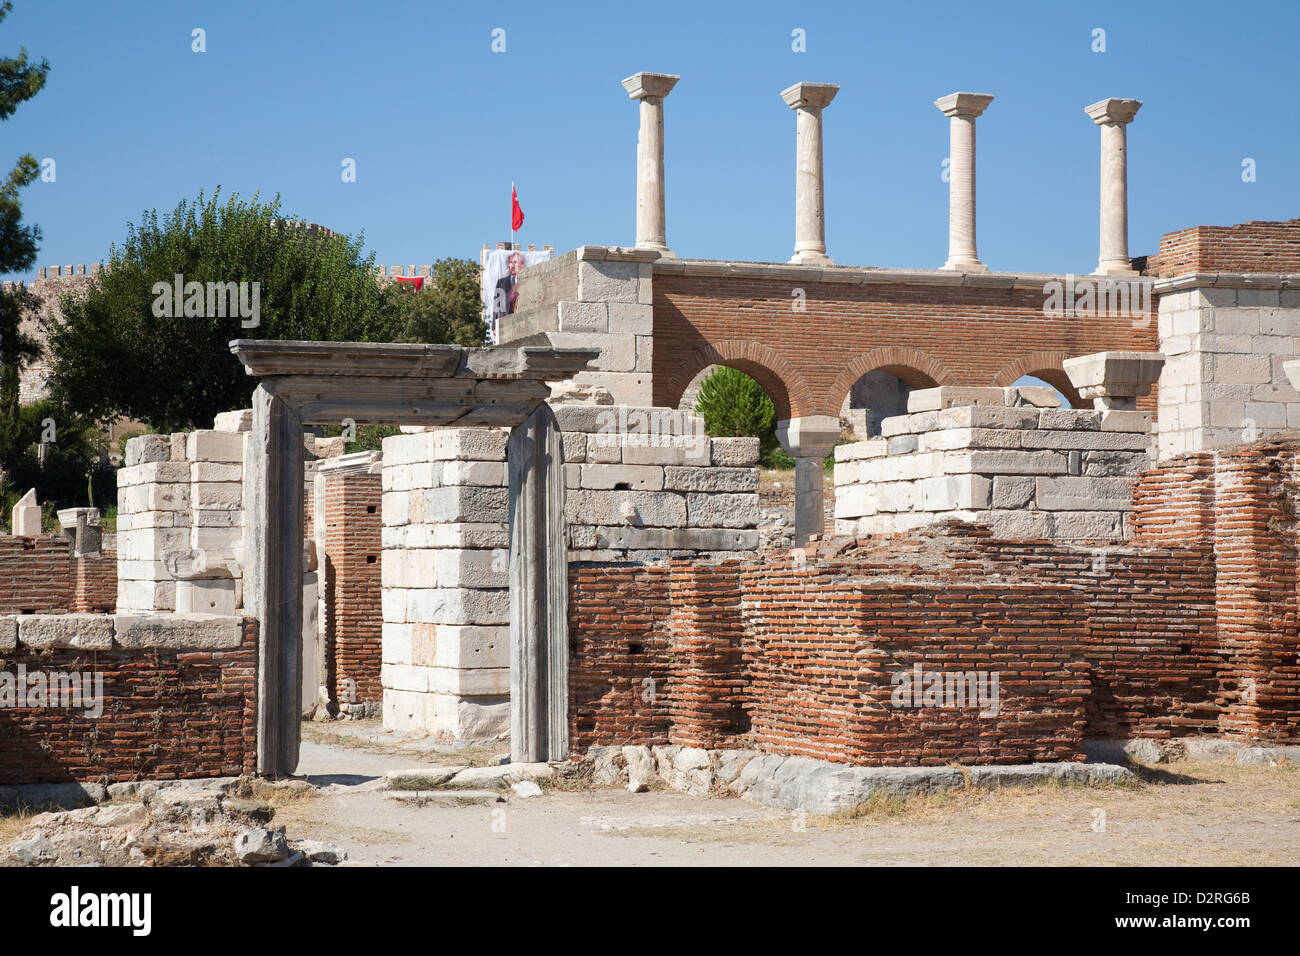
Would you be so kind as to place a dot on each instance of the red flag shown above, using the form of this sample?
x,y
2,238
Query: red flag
x,y
516,214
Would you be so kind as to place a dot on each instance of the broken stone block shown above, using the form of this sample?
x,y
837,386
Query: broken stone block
x,y
236,421
27,516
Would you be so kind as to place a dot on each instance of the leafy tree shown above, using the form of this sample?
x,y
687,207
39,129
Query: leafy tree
x,y
449,309
114,356
732,405
20,80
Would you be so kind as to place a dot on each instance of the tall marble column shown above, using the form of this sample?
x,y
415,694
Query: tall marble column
x,y
962,109
808,100
651,221
1113,116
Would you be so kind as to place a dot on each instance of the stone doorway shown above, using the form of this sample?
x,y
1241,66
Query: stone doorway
x,y
321,383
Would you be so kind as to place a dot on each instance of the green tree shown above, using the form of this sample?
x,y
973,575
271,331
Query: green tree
x,y
734,405
20,80
114,356
448,309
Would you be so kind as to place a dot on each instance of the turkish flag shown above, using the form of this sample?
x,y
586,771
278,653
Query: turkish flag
x,y
516,214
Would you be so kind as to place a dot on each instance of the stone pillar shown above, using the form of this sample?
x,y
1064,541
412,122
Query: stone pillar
x,y
962,109
808,440
273,555
539,589
1114,380
808,100
651,221
1112,116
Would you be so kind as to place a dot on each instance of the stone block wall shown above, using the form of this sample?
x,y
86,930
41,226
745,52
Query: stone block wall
x,y
180,494
594,296
178,697
1224,345
1022,469
642,485
646,484
445,574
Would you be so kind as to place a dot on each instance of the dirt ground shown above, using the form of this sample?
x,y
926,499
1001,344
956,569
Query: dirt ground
x,y
1181,814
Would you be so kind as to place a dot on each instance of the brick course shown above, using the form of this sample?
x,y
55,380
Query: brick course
x,y
353,584
927,335
167,713
1255,246
40,576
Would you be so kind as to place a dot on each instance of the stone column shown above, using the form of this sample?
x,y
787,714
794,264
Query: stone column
x,y
651,221
1112,116
273,559
808,100
539,592
808,440
961,109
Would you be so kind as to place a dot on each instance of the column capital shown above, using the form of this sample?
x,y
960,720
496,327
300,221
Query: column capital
x,y
809,95
964,104
641,85
1113,110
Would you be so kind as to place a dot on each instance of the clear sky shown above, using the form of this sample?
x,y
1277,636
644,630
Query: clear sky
x,y
439,125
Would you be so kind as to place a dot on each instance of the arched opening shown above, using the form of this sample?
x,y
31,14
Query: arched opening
x,y
1056,380
880,394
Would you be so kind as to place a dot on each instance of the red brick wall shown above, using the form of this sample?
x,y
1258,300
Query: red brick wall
x,y
1174,504
1113,642
40,576
94,584
619,653
353,584
1249,247
1256,547
807,361
167,713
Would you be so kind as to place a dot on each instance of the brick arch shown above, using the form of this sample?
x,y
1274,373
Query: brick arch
x,y
766,366
911,365
1049,367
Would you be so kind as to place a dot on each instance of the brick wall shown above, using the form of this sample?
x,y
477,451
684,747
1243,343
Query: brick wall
x,y
619,653
40,576
927,335
1249,247
1190,628
167,713
353,587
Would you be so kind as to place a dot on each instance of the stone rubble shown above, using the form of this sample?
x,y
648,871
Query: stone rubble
x,y
216,822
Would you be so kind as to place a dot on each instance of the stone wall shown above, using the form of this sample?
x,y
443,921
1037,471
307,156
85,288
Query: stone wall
x,y
1225,339
1015,463
178,696
593,296
642,485
180,495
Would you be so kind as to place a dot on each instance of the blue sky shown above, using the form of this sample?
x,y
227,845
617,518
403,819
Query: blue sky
x,y
439,125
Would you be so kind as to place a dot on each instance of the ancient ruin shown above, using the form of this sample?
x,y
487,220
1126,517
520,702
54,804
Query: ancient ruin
x,y
554,551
